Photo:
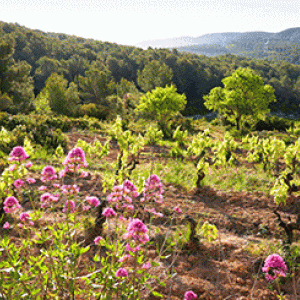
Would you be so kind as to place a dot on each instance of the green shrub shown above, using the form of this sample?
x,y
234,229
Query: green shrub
x,y
272,123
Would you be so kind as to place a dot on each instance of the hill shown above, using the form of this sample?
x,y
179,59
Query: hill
x,y
102,72
283,45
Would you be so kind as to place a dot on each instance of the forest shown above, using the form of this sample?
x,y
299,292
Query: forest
x,y
74,76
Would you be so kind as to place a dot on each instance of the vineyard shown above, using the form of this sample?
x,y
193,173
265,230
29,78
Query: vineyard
x,y
113,210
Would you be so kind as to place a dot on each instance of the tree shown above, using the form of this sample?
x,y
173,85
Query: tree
x,y
155,74
244,96
62,100
162,104
96,85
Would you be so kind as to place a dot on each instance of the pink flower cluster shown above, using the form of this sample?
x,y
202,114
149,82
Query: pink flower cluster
x,y
75,160
69,206
121,272
11,204
153,189
137,231
47,199
48,173
18,154
123,193
274,267
70,189
18,183
109,212
190,295
92,201
25,219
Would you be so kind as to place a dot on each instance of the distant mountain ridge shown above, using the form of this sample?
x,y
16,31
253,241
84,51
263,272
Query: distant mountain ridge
x,y
223,39
283,45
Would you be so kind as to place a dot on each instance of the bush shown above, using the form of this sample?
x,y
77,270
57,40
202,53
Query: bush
x,y
272,123
93,110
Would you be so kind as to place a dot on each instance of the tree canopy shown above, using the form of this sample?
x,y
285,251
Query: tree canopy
x,y
161,104
244,95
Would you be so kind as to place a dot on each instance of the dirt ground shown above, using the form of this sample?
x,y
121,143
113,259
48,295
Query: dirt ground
x,y
229,267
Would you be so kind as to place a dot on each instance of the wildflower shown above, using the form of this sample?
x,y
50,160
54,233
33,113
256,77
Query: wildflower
x,y
18,183
97,240
121,272
48,198
93,201
28,165
70,189
86,207
12,168
153,189
274,267
75,160
6,225
62,173
69,206
30,180
190,295
25,218
109,212
11,204
152,210
48,174
42,188
18,153
177,209
124,192
137,230
130,187
84,174
146,266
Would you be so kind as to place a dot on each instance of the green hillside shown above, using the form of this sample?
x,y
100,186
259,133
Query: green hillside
x,y
90,72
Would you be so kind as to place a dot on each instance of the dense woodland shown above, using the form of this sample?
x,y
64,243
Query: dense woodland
x,y
75,76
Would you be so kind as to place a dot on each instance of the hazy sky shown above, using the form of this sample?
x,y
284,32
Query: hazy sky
x,y
131,21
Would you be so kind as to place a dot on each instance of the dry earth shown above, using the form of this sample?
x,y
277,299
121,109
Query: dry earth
x,y
229,267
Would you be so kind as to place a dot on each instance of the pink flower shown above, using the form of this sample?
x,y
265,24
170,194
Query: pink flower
x,y
30,180
97,240
48,174
137,230
75,160
121,272
152,210
56,185
109,212
177,209
69,206
86,207
12,168
42,188
274,267
62,173
25,218
190,295
70,189
146,266
48,198
18,153
11,204
6,225
93,201
18,183
84,174
153,189
28,165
